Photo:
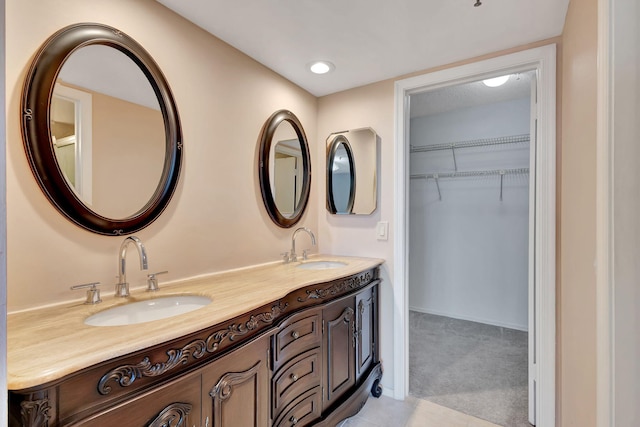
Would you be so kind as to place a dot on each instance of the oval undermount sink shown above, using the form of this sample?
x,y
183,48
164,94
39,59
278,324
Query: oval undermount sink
x,y
321,265
148,310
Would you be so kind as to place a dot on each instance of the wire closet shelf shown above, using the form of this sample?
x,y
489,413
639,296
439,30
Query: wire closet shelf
x,y
467,144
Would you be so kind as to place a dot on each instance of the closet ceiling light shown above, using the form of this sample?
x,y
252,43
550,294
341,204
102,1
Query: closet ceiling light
x,y
321,67
496,81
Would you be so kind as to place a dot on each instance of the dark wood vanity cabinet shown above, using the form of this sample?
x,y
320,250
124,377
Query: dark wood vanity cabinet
x,y
310,358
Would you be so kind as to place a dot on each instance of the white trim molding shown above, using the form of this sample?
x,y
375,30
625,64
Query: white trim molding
x,y
543,61
604,231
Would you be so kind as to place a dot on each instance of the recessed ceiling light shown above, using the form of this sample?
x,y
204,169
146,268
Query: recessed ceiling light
x,y
496,81
321,67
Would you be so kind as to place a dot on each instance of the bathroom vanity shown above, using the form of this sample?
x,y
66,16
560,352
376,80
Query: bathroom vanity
x,y
279,345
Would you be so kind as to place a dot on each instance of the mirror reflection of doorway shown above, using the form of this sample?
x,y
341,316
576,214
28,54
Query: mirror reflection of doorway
x,y
469,266
63,133
287,176
71,135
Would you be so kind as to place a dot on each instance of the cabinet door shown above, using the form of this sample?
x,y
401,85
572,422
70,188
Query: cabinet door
x,y
339,344
236,387
366,312
174,404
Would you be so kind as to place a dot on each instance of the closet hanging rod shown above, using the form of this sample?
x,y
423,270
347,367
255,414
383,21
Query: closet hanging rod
x,y
470,173
472,143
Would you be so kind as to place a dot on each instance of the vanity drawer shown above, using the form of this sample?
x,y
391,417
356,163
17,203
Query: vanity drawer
x,y
297,334
300,374
302,411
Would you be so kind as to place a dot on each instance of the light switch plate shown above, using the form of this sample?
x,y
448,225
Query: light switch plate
x,y
382,230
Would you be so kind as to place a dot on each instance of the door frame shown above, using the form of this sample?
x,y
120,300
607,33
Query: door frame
x,y
543,61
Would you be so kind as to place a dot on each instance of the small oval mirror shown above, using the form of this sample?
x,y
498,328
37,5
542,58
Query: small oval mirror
x,y
341,177
353,189
284,168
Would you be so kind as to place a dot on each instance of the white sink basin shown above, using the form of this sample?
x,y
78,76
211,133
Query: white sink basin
x,y
321,265
146,311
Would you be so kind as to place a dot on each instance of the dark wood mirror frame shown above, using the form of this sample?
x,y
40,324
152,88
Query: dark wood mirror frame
x,y
331,154
266,145
36,128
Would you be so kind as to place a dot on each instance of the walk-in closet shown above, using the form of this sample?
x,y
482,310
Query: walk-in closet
x,y
469,260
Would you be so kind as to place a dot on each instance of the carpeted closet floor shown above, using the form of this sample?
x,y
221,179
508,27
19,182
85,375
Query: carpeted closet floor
x,y
474,368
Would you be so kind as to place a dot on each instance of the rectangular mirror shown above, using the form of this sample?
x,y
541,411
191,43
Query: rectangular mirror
x,y
352,172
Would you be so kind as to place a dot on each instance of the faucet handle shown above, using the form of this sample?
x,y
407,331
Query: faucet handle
x,y
286,258
152,281
93,293
305,255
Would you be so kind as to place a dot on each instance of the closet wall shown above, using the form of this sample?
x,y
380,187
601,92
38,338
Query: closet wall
x,y
469,248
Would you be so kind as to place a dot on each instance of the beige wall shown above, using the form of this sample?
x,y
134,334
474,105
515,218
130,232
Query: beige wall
x,y
368,106
216,219
577,219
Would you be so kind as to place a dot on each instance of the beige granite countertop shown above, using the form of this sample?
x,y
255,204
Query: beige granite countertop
x,y
47,344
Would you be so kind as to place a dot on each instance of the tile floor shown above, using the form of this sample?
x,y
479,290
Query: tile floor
x,y
412,412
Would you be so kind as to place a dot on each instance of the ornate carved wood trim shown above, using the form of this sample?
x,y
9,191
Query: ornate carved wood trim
x,y
35,413
125,375
174,415
336,288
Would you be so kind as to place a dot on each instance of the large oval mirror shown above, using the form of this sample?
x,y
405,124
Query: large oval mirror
x,y
285,168
352,172
101,129
341,176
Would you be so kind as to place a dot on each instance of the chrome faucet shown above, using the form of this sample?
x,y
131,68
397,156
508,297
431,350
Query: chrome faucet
x,y
293,256
122,287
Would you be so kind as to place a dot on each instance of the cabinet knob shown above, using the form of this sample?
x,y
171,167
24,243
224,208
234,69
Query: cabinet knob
x,y
294,377
295,335
293,420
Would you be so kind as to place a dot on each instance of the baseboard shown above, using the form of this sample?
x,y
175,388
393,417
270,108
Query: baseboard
x,y
471,319
388,392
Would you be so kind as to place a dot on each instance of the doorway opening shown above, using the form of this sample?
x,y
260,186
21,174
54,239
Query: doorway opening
x,y
539,232
470,223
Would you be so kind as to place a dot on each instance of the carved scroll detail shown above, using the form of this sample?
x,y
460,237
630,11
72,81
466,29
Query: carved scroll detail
x,y
126,375
224,388
28,114
337,288
174,415
35,413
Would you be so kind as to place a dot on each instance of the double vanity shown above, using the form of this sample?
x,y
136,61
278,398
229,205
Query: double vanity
x,y
292,343
278,345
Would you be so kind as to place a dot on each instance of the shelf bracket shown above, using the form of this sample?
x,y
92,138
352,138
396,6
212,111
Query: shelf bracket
x,y
453,153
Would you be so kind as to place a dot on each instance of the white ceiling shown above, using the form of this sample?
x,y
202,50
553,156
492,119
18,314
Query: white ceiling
x,y
472,94
370,40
